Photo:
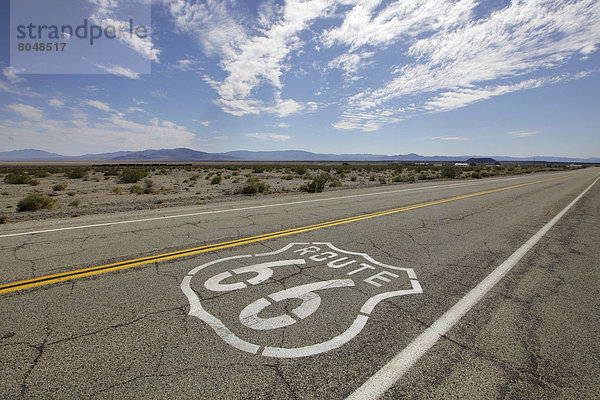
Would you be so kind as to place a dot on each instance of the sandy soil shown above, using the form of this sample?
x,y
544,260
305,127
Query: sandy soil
x,y
100,192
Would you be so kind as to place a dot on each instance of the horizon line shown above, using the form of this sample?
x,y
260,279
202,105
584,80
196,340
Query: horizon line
x,y
523,158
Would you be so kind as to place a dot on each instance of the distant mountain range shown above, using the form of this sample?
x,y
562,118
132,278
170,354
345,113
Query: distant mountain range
x,y
189,155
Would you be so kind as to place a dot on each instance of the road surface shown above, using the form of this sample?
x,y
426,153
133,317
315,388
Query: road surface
x,y
465,289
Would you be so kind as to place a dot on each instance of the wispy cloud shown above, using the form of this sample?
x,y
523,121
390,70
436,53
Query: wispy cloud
x,y
135,109
454,59
285,108
186,64
11,74
27,111
465,96
449,138
99,105
213,23
352,63
370,121
369,24
167,124
13,83
451,56
92,88
106,16
56,102
112,133
269,136
251,61
524,134
120,71
159,94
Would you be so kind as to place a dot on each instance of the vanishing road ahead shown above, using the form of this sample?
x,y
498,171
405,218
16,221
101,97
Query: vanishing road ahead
x,y
466,289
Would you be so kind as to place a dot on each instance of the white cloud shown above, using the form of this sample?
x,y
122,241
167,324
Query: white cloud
x,y
351,63
99,105
449,138
80,119
105,16
187,64
287,107
159,94
283,125
367,23
445,54
268,136
368,126
92,88
120,71
221,137
205,123
213,23
261,59
465,96
27,111
524,134
183,65
56,102
311,106
79,136
462,97
135,109
366,121
8,88
11,74
454,60
172,125
283,108
167,124
12,81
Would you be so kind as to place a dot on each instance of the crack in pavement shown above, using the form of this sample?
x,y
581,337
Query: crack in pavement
x,y
506,367
117,326
277,368
40,351
411,237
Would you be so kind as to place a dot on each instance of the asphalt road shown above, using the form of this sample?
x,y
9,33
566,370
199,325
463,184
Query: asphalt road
x,y
287,298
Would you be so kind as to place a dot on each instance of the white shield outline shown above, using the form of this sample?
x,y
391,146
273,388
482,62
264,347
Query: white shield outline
x,y
359,323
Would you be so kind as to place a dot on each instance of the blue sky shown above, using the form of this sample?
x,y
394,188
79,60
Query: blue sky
x,y
434,77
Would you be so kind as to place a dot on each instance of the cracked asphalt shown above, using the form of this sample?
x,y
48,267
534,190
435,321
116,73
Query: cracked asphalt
x,y
128,334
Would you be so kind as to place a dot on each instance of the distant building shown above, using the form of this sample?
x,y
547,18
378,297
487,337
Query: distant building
x,y
461,164
481,160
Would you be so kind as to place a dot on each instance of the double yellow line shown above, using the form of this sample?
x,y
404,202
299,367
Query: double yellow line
x,y
65,276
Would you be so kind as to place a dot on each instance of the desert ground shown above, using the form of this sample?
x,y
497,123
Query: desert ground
x,y
42,191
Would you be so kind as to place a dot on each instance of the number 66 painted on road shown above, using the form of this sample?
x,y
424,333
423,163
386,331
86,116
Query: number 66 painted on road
x,y
219,276
249,315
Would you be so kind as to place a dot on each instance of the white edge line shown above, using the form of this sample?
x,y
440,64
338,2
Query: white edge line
x,y
70,228
390,373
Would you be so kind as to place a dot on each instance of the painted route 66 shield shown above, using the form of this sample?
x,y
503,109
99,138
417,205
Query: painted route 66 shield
x,y
301,300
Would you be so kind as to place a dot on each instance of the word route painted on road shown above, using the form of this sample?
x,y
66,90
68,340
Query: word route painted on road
x,y
322,296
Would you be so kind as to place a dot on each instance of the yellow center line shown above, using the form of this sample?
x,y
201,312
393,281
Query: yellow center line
x,y
64,276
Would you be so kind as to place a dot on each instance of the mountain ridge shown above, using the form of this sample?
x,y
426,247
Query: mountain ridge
x,y
183,154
